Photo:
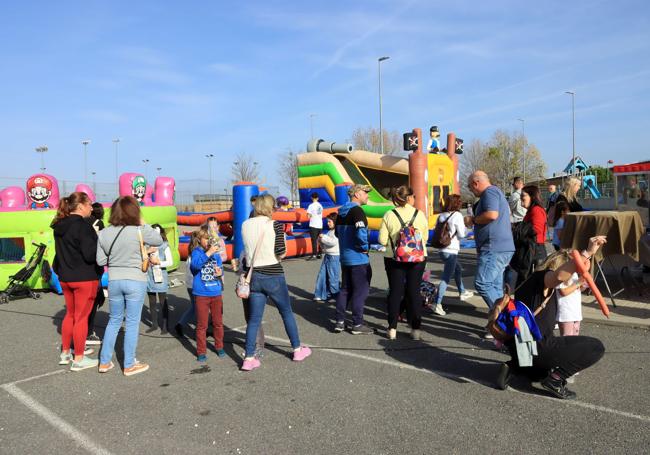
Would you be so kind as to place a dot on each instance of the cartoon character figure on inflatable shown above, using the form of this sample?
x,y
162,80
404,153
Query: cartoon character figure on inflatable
x,y
139,188
39,191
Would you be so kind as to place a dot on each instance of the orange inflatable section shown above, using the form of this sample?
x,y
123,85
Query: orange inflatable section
x,y
295,247
293,216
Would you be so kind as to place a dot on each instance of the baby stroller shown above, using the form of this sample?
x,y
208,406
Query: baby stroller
x,y
17,288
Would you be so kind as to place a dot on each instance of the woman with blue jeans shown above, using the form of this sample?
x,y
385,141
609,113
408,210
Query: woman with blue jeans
x,y
329,276
264,244
119,249
449,255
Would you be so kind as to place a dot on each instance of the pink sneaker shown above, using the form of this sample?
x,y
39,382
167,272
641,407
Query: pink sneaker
x,y
301,354
251,364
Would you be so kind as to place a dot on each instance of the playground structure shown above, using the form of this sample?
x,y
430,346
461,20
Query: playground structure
x,y
329,169
25,217
578,169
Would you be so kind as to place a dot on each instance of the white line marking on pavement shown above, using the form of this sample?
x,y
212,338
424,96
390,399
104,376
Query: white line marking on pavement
x,y
44,375
57,422
581,404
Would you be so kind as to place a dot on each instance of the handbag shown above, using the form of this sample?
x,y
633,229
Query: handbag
x,y
500,306
243,285
143,252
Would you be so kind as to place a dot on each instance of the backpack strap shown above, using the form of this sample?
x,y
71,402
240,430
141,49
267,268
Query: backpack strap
x,y
413,217
399,218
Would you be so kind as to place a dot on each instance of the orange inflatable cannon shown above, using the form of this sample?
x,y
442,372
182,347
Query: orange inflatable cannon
x,y
583,271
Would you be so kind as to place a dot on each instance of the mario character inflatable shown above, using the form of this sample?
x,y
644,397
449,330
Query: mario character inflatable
x,y
139,188
39,191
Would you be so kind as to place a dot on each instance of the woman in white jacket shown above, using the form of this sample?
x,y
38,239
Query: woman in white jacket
x,y
449,255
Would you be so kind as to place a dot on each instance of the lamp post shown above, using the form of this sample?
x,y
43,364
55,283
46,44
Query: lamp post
x,y
311,125
381,133
523,145
209,157
116,141
573,123
94,182
158,169
42,149
85,143
146,167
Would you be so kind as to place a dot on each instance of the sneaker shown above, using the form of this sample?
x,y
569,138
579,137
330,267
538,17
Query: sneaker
x,y
221,353
505,374
361,329
439,310
391,334
466,295
339,326
65,359
318,256
106,367
202,358
301,354
416,334
557,388
318,300
151,330
93,339
179,330
84,364
251,364
87,351
488,336
137,367
311,258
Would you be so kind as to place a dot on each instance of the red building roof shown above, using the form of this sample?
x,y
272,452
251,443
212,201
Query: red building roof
x,y
634,168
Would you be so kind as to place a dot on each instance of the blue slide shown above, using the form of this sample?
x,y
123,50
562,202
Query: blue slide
x,y
589,182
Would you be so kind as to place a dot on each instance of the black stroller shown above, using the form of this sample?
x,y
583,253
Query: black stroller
x,y
17,288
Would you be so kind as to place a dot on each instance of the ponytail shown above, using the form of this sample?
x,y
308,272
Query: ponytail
x,y
69,204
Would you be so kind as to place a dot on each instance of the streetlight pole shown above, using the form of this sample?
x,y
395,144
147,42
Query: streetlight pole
x,y
85,143
42,149
523,145
116,141
573,123
146,167
94,182
209,157
158,169
381,133
311,125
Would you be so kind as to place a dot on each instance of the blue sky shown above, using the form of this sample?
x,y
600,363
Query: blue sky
x,y
177,80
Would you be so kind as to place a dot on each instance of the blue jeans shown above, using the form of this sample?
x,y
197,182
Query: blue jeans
x,y
451,267
489,275
190,314
124,296
329,276
273,287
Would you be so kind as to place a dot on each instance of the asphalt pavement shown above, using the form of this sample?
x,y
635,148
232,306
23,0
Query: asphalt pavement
x,y
354,395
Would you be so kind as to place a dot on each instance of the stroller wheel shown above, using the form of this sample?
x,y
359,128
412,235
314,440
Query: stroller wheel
x,y
4,298
37,295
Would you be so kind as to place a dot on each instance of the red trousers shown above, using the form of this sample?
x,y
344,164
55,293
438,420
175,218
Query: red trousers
x,y
204,306
79,298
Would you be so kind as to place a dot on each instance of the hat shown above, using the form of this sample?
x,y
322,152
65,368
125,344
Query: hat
x,y
356,188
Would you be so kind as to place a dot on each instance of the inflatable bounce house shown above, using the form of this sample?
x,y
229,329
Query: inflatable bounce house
x,y
26,214
329,169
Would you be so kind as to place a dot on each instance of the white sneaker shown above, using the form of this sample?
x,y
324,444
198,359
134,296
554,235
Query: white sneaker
x,y
466,295
488,336
438,310
392,334
416,334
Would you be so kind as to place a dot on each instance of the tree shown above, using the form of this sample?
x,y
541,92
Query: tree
x,y
289,173
368,139
502,158
244,168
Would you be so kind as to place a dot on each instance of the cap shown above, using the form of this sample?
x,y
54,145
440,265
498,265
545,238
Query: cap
x,y
356,188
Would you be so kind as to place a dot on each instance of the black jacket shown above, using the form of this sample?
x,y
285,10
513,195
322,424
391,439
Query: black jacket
x,y
76,248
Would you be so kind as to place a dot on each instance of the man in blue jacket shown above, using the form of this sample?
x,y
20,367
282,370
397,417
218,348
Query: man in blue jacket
x,y
352,232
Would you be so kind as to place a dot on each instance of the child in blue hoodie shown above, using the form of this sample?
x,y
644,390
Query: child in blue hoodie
x,y
207,287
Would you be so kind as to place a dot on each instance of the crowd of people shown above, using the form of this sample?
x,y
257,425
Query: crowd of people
x,y
510,236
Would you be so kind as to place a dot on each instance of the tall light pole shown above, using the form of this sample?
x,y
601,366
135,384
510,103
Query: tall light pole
x,y
94,182
158,169
523,144
116,141
381,133
573,123
42,149
85,143
209,157
146,167
311,125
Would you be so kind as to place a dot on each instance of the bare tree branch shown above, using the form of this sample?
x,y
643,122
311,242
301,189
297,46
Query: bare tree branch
x,y
244,168
289,173
368,139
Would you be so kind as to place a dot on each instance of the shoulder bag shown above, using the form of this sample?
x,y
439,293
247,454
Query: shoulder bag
x,y
243,285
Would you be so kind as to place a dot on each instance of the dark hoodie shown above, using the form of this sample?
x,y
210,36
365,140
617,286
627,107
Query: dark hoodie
x,y
76,246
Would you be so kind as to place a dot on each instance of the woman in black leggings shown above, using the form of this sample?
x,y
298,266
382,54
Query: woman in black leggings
x,y
558,358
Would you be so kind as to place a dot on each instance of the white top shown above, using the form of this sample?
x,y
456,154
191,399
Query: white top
x,y
457,227
189,278
569,308
330,243
315,211
517,211
252,231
